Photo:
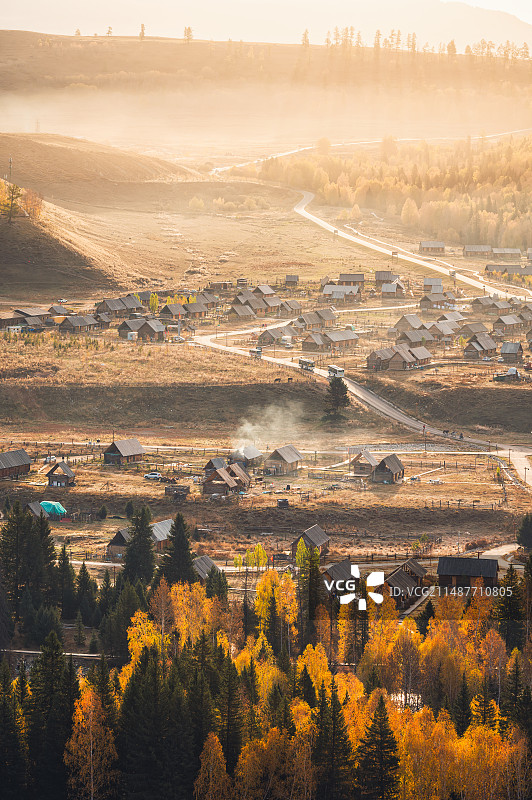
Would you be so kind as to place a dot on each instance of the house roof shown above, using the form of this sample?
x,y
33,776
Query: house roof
x,y
126,447
477,248
412,319
130,302
383,354
315,536
474,327
511,348
453,316
432,244
340,571
58,309
272,301
484,341
472,567
287,453
159,531
35,321
154,324
255,303
242,311
365,455
385,275
351,276
506,251
220,475
237,472
203,565
507,319
173,308
435,297
215,463
291,305
399,579
263,288
14,458
131,324
326,314
420,352
415,567
113,304
391,462
416,337
340,336
63,467
247,453
292,278
33,312
195,308
339,292
36,509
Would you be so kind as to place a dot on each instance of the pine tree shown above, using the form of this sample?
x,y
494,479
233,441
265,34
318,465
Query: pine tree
x,y
508,610
139,560
79,634
273,624
13,536
216,584
6,623
337,397
512,687
130,509
333,754
524,531
230,729
424,617
462,708
54,690
377,758
306,688
48,557
12,757
105,597
484,708
178,762
66,585
201,715
176,565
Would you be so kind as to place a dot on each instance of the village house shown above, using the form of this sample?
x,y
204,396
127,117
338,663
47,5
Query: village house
x,y
273,303
202,566
456,571
501,253
273,335
143,296
195,310
408,322
291,281
512,352
469,329
341,294
61,476
124,451
14,463
213,464
159,536
326,341
327,317
442,331
219,481
104,321
11,319
50,509
507,323
476,250
352,279
314,538
151,330
241,312
390,470
57,310
393,290
432,286
497,307
451,316
384,276
401,586
259,307
481,345
409,357
131,302
240,475
263,290
379,360
207,299
41,313
310,320
285,460
77,324
220,286
415,337
363,463
115,308
289,307
129,328
432,247
172,310
432,300
247,455
481,304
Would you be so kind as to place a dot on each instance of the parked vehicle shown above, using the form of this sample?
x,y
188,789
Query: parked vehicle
x,y
307,364
50,459
153,476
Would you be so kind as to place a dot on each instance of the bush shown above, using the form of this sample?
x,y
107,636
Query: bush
x,y
524,531
102,513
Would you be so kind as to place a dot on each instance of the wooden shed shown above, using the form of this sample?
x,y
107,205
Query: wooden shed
x,y
314,538
14,463
390,470
456,571
61,476
285,460
124,451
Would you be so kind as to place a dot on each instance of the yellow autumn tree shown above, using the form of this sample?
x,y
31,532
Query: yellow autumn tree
x,y
213,782
90,754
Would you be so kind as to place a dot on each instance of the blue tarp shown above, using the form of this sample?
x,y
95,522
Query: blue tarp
x,y
54,509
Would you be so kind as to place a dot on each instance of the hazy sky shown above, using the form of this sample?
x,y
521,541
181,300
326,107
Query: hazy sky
x,y
218,19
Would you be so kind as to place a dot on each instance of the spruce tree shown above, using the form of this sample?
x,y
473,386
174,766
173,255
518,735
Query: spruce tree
x,y
424,617
333,754
66,590
13,536
462,708
79,633
512,688
12,755
139,559
178,765
201,715
106,594
484,708
48,557
508,610
176,565
378,762
306,688
337,397
524,531
6,623
230,731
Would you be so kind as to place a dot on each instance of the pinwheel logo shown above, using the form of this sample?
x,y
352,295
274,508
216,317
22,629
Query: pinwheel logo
x,y
347,589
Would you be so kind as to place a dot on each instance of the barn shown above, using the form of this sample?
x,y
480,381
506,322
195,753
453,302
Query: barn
x,y
124,451
14,463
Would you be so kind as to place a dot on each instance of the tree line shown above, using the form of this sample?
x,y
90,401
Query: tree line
x,y
470,192
210,697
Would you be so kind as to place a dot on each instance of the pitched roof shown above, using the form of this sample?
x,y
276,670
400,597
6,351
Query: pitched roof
x,y
131,324
341,571
392,462
113,304
432,244
237,472
215,463
36,509
33,312
272,301
130,302
415,567
154,324
263,288
127,447
195,308
159,531
203,565
287,453
420,352
399,579
173,308
341,336
511,348
242,311
315,536
14,458
484,340
365,455
326,314
351,276
64,469
222,475
472,567
474,327
412,319
385,275
248,452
